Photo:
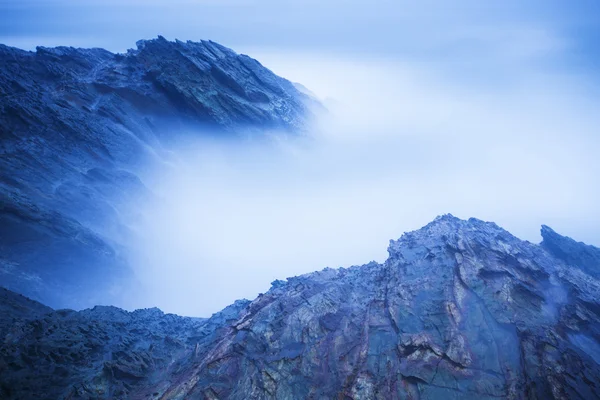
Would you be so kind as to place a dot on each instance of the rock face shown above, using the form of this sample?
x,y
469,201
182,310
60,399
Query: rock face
x,y
460,310
76,127
103,352
572,252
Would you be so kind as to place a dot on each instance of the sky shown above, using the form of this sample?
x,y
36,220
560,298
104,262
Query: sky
x,y
480,109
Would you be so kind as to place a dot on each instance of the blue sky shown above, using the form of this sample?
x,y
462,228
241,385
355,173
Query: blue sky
x,y
379,26
466,35
480,108
463,34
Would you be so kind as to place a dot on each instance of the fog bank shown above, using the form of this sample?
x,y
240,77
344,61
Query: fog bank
x,y
404,141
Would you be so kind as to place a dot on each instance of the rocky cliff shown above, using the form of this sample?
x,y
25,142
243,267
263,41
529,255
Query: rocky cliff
x,y
460,310
76,128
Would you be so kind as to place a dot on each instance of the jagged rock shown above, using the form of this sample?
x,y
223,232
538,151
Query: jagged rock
x,y
460,310
104,352
572,252
75,127
15,307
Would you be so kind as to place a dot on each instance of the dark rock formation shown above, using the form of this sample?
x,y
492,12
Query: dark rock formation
x,y
103,352
76,125
16,307
460,310
573,253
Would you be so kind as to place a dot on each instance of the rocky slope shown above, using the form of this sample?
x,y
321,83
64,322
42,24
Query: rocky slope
x,y
460,310
76,128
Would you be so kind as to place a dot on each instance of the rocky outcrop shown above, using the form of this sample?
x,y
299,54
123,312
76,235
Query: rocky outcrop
x,y
16,307
76,127
104,352
571,252
460,310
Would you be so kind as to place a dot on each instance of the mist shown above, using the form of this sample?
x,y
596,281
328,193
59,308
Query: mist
x,y
402,142
486,111
152,169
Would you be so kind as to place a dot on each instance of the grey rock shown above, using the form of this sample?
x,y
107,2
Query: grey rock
x,y
460,310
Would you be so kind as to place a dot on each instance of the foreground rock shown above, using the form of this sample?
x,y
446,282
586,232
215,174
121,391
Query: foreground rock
x,y
77,126
460,310
104,352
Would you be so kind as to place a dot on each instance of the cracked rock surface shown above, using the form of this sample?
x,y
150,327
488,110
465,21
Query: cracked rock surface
x,y
460,310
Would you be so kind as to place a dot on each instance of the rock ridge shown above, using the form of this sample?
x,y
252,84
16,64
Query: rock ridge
x,y
460,309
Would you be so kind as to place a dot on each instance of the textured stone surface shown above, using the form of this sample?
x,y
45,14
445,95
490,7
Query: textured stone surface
x,y
103,352
460,310
76,128
574,253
